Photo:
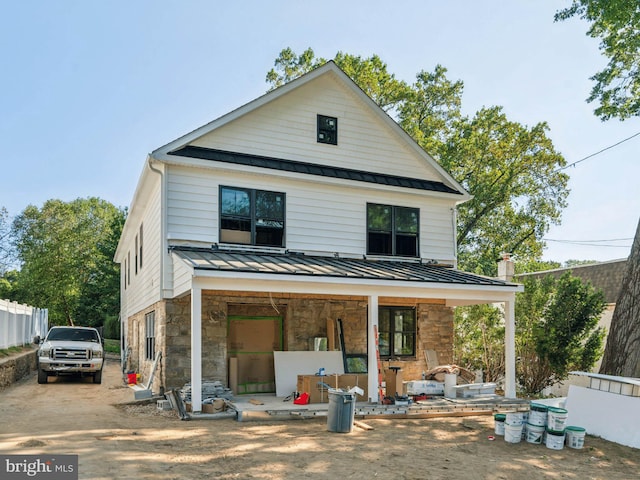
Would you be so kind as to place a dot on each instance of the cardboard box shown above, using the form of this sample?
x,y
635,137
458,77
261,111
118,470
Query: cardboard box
x,y
309,383
217,406
319,394
347,381
393,381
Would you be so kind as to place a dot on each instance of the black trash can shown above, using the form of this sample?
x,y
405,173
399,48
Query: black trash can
x,y
341,411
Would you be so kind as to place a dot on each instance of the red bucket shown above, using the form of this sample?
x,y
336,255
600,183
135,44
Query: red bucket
x,y
131,379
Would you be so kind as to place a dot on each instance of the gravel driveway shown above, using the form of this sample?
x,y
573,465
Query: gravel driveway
x,y
116,440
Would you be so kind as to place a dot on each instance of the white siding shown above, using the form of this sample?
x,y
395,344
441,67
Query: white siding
x,y
144,288
286,128
182,275
319,216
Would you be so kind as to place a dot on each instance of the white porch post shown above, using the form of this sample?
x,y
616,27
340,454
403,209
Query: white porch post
x,y
372,364
196,347
510,348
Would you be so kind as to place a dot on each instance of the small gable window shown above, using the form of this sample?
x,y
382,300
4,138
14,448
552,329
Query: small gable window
x,y
252,217
392,230
327,130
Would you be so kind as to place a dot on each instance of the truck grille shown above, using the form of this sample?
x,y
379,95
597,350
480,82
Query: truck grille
x,y
71,354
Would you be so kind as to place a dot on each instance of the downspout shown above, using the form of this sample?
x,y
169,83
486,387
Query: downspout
x,y
163,224
454,219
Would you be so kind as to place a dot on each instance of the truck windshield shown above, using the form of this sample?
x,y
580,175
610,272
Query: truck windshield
x,y
73,334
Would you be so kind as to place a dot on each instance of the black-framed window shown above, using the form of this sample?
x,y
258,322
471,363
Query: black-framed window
x,y
397,329
150,335
327,130
140,250
252,217
135,253
392,230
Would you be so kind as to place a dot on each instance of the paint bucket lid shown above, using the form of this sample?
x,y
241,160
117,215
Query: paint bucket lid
x,y
500,417
576,429
556,410
539,407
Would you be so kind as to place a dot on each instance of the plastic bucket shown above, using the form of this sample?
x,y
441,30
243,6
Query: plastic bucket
x,y
341,411
514,418
556,418
132,378
534,433
512,433
555,439
499,423
538,415
574,437
450,381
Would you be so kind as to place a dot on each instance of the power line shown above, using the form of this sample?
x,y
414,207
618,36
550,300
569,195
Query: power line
x,y
593,243
597,153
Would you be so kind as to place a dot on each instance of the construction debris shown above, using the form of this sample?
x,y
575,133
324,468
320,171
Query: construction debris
x,y
210,390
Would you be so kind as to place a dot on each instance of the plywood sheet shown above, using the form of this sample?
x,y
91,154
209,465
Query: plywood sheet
x,y
289,365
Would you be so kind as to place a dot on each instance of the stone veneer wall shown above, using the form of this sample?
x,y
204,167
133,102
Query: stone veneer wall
x,y
17,366
304,318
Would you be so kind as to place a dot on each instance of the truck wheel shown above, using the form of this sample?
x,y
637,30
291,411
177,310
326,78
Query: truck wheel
x,y
97,377
42,376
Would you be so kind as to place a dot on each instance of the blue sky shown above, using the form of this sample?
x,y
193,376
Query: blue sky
x,y
88,88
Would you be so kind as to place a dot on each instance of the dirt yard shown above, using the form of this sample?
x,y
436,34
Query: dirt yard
x,y
118,441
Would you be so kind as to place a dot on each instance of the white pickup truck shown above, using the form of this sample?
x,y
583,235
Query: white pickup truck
x,y
70,350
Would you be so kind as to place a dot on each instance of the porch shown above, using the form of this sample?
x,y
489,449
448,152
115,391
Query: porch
x,y
373,282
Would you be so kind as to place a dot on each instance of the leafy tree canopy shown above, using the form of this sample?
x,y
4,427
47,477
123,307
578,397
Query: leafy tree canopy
x,y
6,250
617,24
66,251
512,171
556,330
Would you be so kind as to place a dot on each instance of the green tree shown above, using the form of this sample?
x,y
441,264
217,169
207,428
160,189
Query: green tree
x,y
617,24
556,330
479,340
512,171
63,248
6,250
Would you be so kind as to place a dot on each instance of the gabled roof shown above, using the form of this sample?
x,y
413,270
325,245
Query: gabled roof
x,y
163,153
205,259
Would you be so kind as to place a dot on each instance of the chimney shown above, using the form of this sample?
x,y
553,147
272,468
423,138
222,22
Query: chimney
x,y
506,268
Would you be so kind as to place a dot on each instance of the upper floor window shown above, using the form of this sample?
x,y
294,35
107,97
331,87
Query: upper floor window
x,y
392,230
327,130
251,217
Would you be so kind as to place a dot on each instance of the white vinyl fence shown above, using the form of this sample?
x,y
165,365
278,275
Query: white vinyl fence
x,y
20,323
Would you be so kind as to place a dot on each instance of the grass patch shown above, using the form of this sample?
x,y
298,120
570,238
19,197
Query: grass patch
x,y
7,352
112,346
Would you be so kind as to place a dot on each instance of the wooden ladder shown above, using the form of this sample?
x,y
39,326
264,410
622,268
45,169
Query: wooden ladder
x,y
380,391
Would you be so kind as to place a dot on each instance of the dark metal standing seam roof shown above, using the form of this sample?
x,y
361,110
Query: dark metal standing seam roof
x,y
311,169
336,267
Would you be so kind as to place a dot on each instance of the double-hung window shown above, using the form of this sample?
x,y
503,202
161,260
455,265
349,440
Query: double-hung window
x,y
252,217
150,335
397,331
392,230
